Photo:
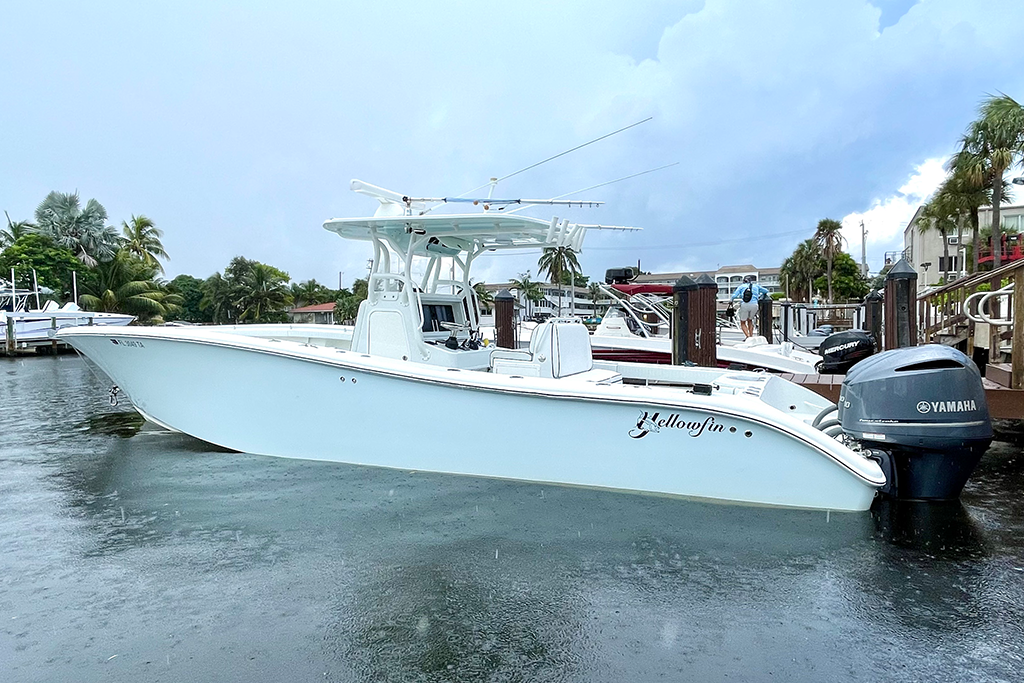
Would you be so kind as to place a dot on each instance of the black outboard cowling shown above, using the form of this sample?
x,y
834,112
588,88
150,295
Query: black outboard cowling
x,y
925,406
841,350
618,276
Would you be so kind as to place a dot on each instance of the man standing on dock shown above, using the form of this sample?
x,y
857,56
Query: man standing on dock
x,y
748,294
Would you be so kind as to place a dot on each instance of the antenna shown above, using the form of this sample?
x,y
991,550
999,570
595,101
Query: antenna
x,y
494,181
610,182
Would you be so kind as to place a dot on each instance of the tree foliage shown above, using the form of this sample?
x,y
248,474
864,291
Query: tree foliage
x,y
247,292
126,285
801,268
190,289
527,288
53,264
993,143
83,231
346,306
141,238
848,281
829,237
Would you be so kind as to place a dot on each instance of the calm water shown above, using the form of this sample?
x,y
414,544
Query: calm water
x,y
131,554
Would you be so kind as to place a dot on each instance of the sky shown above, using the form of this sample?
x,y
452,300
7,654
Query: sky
x,y
237,126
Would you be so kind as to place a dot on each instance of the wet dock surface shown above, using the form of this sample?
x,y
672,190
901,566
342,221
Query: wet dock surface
x,y
129,554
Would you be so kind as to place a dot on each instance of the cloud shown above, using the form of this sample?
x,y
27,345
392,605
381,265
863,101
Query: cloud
x,y
888,216
237,131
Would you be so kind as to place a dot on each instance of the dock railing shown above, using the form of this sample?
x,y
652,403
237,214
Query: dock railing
x,y
957,311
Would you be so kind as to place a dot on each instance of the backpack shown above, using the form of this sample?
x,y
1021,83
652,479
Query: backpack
x,y
749,294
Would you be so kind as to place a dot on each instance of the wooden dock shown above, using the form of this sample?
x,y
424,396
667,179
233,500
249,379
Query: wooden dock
x,y
1003,403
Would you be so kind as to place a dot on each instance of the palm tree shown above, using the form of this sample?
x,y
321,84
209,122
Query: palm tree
x,y
484,298
940,214
141,238
82,231
527,288
830,238
311,292
14,231
594,290
219,295
803,266
993,143
262,293
124,286
556,261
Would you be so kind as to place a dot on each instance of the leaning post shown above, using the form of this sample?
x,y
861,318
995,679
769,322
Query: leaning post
x,y
900,306
682,291
873,317
764,317
504,319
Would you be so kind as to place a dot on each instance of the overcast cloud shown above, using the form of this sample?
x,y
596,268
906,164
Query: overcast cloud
x,y
237,126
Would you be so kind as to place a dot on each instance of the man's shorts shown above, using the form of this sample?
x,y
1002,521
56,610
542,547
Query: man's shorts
x,y
747,310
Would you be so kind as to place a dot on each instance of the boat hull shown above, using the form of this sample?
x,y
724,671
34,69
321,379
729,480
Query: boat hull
x,y
287,400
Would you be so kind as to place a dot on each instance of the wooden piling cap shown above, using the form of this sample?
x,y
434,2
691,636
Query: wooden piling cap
x,y
873,295
504,295
685,283
902,271
705,281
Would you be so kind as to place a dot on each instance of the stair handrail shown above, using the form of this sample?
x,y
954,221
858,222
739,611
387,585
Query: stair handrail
x,y
982,298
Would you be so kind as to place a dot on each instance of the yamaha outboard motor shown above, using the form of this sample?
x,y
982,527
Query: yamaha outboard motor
x,y
618,276
924,407
842,349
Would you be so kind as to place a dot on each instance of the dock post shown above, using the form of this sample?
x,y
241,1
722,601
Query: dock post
x,y
764,317
786,310
704,310
873,317
1017,345
901,306
11,341
682,291
53,336
504,320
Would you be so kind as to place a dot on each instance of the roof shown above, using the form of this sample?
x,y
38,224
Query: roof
x,y
746,268
315,308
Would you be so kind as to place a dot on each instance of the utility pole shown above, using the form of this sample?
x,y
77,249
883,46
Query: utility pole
x,y
863,250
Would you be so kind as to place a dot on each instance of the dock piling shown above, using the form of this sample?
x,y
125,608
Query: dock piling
x,y
901,306
504,320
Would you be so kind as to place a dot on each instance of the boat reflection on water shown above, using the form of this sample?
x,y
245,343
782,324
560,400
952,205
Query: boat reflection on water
x,y
942,529
929,570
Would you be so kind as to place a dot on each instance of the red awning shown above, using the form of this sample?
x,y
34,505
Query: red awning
x,y
643,289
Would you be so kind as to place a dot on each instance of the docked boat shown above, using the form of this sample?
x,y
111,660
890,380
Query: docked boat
x,y
412,386
637,328
33,326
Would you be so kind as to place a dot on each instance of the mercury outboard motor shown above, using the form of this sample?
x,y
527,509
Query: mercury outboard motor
x,y
618,276
842,349
924,408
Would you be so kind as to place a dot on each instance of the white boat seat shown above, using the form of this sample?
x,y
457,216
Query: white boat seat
x,y
557,349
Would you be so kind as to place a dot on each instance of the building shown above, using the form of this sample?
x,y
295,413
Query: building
x,y
580,305
924,249
317,313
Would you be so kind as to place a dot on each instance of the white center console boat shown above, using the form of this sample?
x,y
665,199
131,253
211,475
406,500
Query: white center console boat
x,y
411,386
